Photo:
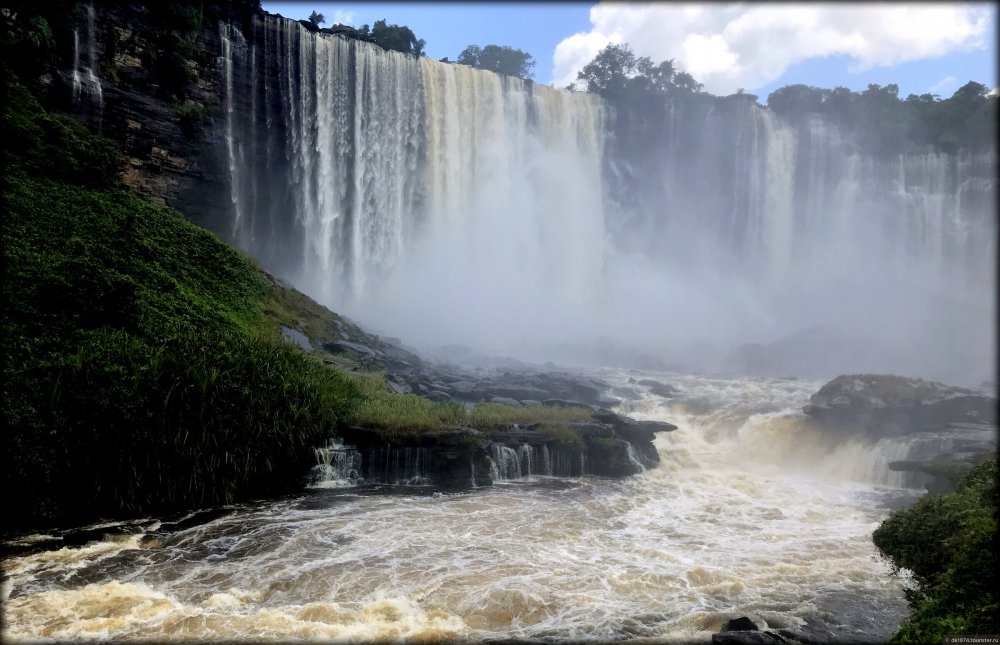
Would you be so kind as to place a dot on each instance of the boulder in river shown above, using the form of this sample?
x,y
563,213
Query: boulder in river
x,y
888,405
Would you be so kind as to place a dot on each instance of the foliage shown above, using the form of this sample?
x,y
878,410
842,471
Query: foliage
x,y
562,435
948,543
395,37
53,146
27,43
617,73
316,18
139,373
885,122
499,59
385,410
192,118
174,44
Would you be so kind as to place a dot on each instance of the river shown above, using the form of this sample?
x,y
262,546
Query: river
x,y
748,513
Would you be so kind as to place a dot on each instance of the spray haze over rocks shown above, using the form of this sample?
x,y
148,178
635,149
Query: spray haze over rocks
x,y
443,205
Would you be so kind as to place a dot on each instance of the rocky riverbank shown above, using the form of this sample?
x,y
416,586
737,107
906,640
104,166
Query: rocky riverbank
x,y
951,428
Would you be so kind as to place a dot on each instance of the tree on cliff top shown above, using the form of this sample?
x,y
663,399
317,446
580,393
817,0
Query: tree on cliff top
x,y
396,37
316,18
616,73
501,59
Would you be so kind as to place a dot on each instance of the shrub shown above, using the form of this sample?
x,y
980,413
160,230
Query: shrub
x,y
948,543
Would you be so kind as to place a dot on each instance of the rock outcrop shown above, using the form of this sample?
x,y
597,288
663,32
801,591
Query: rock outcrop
x,y
459,457
743,631
947,428
887,405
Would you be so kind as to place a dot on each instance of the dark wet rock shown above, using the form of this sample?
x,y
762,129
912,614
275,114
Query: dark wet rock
x,y
564,403
743,631
945,427
450,458
399,388
610,417
503,400
888,405
463,387
658,388
739,625
746,638
514,391
944,471
591,430
437,395
611,457
297,337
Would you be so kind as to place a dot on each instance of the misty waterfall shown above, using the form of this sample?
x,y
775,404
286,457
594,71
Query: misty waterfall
x,y
398,188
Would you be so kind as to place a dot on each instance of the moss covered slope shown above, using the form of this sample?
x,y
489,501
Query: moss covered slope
x,y
141,373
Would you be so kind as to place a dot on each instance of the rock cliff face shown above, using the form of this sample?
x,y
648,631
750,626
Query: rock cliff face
x,y
172,147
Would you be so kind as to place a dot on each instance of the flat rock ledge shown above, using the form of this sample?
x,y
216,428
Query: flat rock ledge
x,y
610,445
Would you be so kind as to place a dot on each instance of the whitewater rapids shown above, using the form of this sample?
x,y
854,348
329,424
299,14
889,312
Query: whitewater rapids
x,y
747,514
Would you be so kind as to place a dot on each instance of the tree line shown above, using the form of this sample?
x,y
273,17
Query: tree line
x,y
883,121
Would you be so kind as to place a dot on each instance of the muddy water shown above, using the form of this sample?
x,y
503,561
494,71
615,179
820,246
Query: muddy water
x,y
747,514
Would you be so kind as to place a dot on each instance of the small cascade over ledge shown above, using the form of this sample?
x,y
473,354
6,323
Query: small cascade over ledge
x,y
84,77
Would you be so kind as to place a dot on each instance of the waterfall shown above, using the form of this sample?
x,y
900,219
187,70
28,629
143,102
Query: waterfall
x,y
406,466
397,188
632,457
374,162
89,80
505,464
337,466
527,459
546,461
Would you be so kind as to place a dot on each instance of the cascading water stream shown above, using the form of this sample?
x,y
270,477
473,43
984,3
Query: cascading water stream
x,y
89,79
337,466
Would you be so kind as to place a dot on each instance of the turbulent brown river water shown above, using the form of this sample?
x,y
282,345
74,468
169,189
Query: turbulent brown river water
x,y
747,514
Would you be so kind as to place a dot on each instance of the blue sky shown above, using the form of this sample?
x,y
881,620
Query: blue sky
x,y
921,47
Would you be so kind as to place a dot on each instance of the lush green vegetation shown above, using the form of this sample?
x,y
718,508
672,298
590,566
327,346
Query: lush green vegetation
x,y
395,37
141,372
948,542
966,120
616,73
882,121
498,58
392,413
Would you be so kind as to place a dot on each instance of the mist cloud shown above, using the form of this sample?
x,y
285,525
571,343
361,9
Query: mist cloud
x,y
727,47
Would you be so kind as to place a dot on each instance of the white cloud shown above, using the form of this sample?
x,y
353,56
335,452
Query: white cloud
x,y
943,86
727,46
341,17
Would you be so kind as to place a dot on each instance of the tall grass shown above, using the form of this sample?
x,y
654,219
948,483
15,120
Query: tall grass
x,y
384,410
139,373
